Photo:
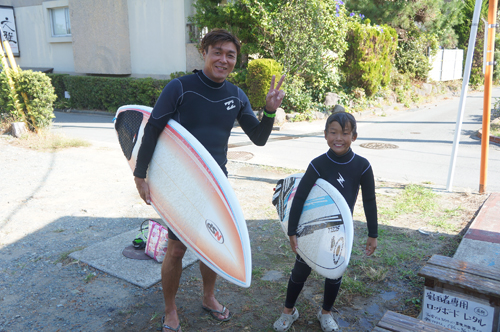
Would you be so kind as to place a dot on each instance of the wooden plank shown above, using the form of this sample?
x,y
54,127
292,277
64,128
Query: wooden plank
x,y
461,280
379,329
479,270
395,322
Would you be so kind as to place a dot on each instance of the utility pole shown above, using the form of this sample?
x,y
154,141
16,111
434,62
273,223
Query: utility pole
x,y
488,80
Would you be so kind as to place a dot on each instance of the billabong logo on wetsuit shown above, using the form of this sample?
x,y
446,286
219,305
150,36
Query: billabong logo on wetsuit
x,y
214,231
230,105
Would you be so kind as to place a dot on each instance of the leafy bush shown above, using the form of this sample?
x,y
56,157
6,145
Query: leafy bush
x,y
34,96
238,77
9,100
104,93
297,98
58,84
369,57
308,38
412,57
258,80
178,74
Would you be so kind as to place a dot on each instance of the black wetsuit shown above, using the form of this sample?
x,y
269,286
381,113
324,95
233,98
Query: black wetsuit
x,y
346,173
208,111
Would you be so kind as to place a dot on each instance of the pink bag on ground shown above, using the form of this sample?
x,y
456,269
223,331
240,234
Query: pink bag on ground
x,y
156,245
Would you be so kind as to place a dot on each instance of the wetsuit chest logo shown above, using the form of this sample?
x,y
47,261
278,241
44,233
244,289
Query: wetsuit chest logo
x,y
230,105
341,180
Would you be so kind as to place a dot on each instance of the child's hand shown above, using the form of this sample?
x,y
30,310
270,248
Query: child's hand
x,y
293,243
371,245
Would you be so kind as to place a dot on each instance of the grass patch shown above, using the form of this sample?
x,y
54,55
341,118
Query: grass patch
x,y
64,257
257,273
49,141
89,277
375,274
353,286
495,129
415,198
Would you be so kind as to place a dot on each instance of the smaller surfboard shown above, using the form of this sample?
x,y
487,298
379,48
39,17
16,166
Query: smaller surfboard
x,y
325,231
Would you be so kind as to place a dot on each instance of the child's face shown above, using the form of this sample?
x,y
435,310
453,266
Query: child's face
x,y
339,140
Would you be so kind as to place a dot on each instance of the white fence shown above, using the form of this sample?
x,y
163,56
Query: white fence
x,y
446,65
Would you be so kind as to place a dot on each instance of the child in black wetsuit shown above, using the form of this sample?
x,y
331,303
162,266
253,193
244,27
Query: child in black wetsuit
x,y
347,172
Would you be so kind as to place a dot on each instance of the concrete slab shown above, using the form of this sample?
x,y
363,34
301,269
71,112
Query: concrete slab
x,y
483,253
481,243
107,256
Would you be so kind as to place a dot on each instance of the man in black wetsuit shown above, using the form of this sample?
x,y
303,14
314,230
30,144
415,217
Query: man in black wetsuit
x,y
207,106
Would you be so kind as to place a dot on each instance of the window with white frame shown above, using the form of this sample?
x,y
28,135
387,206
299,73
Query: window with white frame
x,y
60,23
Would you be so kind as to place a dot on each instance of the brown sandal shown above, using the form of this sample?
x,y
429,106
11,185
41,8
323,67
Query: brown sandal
x,y
215,313
165,326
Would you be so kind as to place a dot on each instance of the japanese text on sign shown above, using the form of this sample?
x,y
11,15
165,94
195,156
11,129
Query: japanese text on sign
x,y
456,314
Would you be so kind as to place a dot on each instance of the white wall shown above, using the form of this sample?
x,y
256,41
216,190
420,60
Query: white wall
x,y
35,50
446,65
157,36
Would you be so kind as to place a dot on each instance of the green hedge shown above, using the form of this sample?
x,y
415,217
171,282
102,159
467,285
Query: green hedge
x,y
258,80
58,84
369,57
107,93
32,99
411,55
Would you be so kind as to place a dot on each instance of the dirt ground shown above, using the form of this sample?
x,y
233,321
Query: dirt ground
x,y
53,203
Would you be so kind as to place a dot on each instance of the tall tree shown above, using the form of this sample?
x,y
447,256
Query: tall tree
x,y
248,19
432,16
306,36
309,37
463,32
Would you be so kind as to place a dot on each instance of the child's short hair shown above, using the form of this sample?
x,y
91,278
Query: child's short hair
x,y
217,36
342,118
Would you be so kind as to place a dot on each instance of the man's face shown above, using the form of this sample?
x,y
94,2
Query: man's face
x,y
219,61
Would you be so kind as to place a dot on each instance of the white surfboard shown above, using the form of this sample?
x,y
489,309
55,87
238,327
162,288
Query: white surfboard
x,y
191,194
325,231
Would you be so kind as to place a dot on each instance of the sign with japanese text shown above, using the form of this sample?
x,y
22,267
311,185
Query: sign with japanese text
x,y
8,25
456,314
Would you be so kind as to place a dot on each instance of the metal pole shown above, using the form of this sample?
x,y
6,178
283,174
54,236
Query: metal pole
x,y
488,80
485,44
465,86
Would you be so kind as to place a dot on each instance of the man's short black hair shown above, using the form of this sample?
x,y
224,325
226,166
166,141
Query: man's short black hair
x,y
342,118
217,36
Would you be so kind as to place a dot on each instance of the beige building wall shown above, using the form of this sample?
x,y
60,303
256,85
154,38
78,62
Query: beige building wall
x,y
100,34
157,36
35,47
117,37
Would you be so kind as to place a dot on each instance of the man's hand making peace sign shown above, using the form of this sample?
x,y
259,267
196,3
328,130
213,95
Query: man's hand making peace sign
x,y
275,95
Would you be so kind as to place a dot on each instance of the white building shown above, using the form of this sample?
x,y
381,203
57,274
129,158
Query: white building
x,y
106,37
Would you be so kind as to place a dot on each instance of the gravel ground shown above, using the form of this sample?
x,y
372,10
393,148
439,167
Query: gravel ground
x,y
53,203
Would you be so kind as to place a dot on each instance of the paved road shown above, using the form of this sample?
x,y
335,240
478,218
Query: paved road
x,y
421,141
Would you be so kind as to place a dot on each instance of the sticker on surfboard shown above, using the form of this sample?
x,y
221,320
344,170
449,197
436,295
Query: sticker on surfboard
x,y
325,230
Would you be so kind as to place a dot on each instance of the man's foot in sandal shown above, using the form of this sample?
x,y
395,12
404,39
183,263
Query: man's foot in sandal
x,y
166,328
222,316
